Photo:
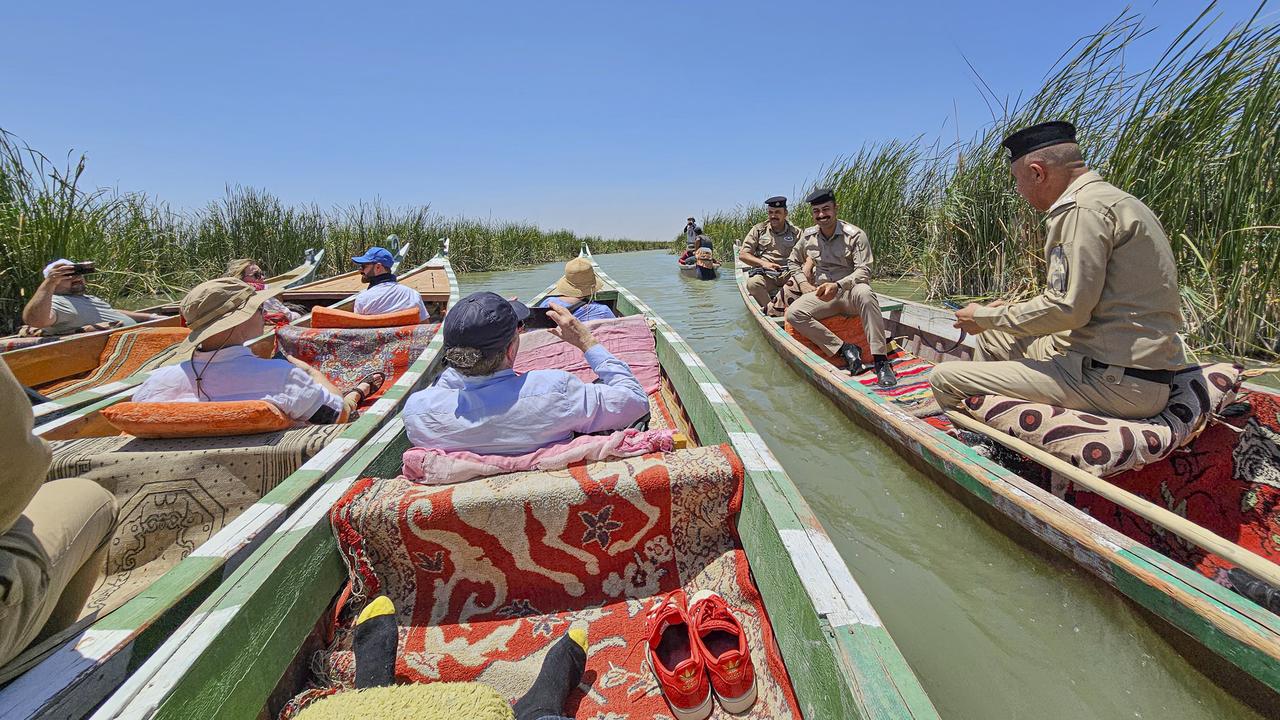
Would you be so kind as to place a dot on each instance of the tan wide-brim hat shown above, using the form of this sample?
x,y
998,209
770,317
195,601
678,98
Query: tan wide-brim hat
x,y
579,279
218,305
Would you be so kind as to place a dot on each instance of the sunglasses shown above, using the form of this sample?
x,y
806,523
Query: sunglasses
x,y
258,275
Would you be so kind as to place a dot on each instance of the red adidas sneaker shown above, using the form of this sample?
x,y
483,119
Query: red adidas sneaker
x,y
719,638
676,663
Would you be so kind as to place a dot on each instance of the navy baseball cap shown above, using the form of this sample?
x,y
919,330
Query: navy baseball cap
x,y
485,321
376,255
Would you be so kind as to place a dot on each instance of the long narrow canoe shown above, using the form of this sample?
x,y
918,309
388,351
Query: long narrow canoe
x,y
75,676
81,355
1234,628
232,653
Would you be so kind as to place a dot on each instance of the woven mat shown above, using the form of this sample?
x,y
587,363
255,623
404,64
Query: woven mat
x,y
485,575
126,352
175,494
347,355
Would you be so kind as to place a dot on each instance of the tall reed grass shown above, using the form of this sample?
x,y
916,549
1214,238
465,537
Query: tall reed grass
x,y
144,248
1196,136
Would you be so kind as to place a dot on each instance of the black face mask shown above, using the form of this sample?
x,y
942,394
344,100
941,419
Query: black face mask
x,y
378,279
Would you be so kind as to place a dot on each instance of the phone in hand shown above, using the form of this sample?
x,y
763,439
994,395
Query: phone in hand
x,y
83,268
538,319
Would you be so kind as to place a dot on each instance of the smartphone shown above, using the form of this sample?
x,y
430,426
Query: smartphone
x,y
538,319
83,268
951,305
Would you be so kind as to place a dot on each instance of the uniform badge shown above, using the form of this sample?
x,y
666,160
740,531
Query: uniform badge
x,y
1058,270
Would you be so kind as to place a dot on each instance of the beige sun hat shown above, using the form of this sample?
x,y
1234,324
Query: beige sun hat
x,y
579,279
218,305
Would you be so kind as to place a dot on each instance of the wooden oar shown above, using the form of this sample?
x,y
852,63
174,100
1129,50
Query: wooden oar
x,y
1200,537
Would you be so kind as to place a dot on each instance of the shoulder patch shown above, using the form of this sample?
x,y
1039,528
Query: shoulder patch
x,y
810,231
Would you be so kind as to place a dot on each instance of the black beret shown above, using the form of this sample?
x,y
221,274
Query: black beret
x,y
821,195
1039,136
777,201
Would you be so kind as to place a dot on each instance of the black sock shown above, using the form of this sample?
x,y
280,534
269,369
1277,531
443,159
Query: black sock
x,y
879,358
560,674
375,645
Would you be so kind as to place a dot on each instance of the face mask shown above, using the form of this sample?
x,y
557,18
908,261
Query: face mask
x,y
257,284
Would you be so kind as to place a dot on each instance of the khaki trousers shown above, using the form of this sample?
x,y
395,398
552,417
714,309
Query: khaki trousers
x,y
51,559
805,313
762,288
1036,369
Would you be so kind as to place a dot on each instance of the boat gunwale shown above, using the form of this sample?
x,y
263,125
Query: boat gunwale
x,y
1228,624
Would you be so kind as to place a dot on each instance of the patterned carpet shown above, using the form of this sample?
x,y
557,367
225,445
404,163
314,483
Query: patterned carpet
x,y
486,574
347,355
126,353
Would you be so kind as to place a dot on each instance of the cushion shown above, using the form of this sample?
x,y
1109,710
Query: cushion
x,y
325,317
848,329
414,701
1105,446
196,419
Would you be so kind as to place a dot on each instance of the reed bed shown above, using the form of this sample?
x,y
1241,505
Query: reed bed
x,y
146,250
1196,136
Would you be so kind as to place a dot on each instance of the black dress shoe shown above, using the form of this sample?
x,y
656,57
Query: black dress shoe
x,y
1263,593
852,358
885,376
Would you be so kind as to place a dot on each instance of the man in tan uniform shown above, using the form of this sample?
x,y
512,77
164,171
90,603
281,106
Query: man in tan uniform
x,y
766,249
53,535
1102,336
841,255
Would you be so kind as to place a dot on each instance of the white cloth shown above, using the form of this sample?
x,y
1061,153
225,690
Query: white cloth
x,y
75,311
389,297
235,373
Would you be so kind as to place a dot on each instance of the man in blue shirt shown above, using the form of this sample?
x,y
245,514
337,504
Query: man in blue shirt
x,y
480,404
574,291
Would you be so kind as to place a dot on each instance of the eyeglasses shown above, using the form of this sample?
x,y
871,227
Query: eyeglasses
x,y
259,275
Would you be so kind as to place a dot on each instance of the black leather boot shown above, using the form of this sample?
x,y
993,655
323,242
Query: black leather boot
x,y
852,358
885,376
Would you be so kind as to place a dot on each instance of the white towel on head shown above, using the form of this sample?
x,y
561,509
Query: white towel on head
x,y
60,261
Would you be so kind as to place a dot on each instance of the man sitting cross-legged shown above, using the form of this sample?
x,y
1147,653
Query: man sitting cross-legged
x,y
223,314
482,405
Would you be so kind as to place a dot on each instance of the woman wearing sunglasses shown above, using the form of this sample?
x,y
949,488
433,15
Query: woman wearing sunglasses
x,y
275,311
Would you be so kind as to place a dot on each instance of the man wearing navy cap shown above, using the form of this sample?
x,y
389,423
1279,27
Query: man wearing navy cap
x,y
480,403
840,253
767,247
1103,335
384,295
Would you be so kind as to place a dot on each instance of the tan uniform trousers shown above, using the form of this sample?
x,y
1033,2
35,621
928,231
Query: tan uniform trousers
x,y
1036,369
805,313
762,288
51,559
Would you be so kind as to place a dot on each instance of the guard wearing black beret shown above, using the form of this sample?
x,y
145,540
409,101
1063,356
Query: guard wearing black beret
x,y
834,259
1103,334
767,247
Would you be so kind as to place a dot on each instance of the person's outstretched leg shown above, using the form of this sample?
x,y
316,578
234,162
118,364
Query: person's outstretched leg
x,y
560,674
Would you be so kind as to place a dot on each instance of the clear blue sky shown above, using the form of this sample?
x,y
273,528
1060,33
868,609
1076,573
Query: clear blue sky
x,y
611,118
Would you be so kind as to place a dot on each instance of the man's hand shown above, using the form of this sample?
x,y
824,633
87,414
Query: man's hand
x,y
773,266
569,328
58,274
826,292
965,321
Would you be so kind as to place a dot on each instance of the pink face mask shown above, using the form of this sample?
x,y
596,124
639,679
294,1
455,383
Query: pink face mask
x,y
257,284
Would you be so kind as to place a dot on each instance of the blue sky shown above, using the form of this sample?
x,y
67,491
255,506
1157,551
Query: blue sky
x,y
616,119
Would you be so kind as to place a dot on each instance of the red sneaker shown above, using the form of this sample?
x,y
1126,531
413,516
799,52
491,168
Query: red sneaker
x,y
723,646
679,668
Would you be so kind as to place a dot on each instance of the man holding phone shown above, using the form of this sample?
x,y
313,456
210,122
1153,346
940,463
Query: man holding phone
x,y
60,305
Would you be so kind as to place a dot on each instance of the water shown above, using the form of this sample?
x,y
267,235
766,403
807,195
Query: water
x,y
993,629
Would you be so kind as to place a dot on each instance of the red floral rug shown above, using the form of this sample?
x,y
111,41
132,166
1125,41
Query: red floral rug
x,y
486,574
347,355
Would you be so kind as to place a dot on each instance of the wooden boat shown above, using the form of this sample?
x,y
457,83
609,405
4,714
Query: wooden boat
x,y
83,369
699,272
201,539
1232,628
247,647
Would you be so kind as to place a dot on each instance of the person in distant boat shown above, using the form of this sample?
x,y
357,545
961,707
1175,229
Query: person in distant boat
x,y
480,404
249,271
691,230
60,304
766,249
703,240
1103,334
703,257
384,295
689,256
841,258
223,313
53,535
575,289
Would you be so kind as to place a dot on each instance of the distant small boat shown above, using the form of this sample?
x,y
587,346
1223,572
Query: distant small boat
x,y
699,272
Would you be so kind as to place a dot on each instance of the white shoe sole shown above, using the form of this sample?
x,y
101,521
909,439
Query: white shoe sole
x,y
739,705
701,712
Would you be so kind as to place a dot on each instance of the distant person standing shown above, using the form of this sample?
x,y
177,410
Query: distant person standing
x,y
841,255
766,249
60,304
691,231
385,294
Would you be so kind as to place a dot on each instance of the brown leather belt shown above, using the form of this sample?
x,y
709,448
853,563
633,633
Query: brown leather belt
x,y
1164,377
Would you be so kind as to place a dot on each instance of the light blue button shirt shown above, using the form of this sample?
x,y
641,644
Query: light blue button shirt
x,y
589,311
510,414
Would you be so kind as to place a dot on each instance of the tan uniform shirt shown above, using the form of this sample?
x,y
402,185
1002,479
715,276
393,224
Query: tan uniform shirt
x,y
844,259
765,244
26,457
1112,289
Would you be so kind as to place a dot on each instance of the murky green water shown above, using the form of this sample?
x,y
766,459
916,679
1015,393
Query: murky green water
x,y
993,629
